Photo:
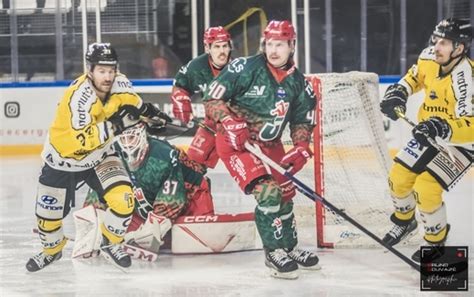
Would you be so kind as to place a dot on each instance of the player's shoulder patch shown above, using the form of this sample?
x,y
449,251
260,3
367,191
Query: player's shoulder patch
x,y
252,63
121,85
237,65
427,54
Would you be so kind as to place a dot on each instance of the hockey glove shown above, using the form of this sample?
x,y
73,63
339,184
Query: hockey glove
x,y
395,96
155,118
296,158
126,117
182,109
433,127
236,132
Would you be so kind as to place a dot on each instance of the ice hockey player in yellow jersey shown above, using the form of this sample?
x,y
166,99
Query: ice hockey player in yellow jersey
x,y
421,173
79,148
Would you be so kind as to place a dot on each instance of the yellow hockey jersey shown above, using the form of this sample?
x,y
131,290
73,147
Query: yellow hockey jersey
x,y
449,96
80,137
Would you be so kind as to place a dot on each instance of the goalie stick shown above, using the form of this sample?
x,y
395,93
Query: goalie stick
x,y
308,192
433,142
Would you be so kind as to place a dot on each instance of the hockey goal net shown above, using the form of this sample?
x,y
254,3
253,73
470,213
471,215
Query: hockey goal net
x,y
350,165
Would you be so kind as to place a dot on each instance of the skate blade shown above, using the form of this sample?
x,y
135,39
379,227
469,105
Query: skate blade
x,y
111,261
313,268
283,275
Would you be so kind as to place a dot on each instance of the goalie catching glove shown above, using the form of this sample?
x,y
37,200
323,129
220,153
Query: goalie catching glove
x,y
236,132
296,158
433,127
395,97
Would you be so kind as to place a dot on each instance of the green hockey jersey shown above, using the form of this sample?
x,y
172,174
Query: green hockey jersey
x,y
195,76
251,91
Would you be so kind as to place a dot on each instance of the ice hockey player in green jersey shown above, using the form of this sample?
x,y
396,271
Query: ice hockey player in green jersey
x,y
252,100
165,181
194,78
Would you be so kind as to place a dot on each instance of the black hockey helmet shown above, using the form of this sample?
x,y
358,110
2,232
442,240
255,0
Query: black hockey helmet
x,y
101,54
457,30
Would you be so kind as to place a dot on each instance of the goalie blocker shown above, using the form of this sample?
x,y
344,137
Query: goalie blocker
x,y
189,234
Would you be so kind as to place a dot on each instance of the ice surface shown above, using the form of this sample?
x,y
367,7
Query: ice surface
x,y
345,272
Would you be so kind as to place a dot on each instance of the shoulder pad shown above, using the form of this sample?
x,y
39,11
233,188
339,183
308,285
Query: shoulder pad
x,y
121,85
427,54
462,88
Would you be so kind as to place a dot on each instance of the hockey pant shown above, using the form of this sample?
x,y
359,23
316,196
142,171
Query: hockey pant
x,y
418,178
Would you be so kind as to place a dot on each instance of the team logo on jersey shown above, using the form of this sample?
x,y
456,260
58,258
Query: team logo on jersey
x,y
433,95
281,93
256,91
202,88
237,65
272,129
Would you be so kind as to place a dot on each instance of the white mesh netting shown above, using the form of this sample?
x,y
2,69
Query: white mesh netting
x,y
355,164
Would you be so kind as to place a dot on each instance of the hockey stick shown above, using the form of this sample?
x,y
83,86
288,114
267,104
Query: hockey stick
x,y
204,126
308,192
433,142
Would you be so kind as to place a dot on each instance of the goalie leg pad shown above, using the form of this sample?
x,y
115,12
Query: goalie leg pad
x,y
50,202
214,234
87,223
150,234
435,224
51,236
404,207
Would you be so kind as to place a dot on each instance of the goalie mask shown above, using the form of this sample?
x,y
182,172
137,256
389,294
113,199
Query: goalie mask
x,y
134,145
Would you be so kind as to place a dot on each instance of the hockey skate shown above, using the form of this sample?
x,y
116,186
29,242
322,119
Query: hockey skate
x,y
115,254
400,231
305,259
436,252
42,260
281,266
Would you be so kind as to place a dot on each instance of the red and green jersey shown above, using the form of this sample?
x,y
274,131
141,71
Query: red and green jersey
x,y
251,91
163,175
195,76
